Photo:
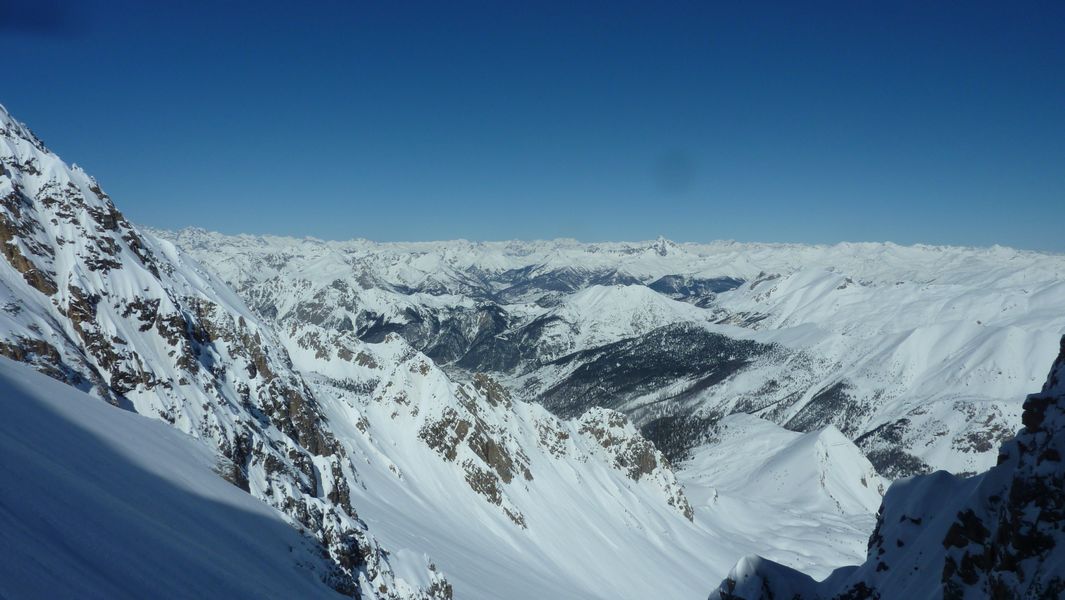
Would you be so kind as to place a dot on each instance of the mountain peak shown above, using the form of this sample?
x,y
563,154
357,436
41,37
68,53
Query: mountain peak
x,y
663,246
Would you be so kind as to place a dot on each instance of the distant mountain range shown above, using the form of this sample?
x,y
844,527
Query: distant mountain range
x,y
918,354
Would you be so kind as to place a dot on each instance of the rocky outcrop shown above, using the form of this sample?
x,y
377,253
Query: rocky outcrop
x,y
1000,534
495,443
1011,543
633,454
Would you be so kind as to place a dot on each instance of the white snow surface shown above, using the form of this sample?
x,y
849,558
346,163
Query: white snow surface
x,y
600,314
99,502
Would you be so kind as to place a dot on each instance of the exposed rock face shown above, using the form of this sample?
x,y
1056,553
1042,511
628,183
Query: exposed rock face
x,y
1011,544
89,300
496,442
1000,534
633,453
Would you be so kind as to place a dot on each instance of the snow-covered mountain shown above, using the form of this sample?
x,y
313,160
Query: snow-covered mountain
x,y
397,480
536,502
507,496
916,353
89,300
1000,534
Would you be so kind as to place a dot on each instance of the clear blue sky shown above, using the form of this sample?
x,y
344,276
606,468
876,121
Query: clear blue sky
x,y
937,122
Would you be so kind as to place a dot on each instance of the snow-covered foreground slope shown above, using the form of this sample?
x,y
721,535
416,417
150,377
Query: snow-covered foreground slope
x,y
918,353
97,502
1000,534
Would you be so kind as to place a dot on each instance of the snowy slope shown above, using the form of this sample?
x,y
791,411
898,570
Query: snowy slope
x,y
811,496
102,503
508,497
816,471
999,534
943,362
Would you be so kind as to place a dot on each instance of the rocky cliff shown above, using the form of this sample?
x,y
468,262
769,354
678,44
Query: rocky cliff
x,y
90,300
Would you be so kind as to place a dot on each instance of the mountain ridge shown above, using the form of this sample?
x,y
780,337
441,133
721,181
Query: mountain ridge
x,y
198,231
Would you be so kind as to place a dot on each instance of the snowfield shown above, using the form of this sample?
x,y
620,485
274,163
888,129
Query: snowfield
x,y
98,502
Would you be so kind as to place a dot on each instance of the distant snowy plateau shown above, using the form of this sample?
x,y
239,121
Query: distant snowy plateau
x,y
202,415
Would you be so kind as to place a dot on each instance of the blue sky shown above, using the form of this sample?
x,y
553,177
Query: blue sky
x,y
934,122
